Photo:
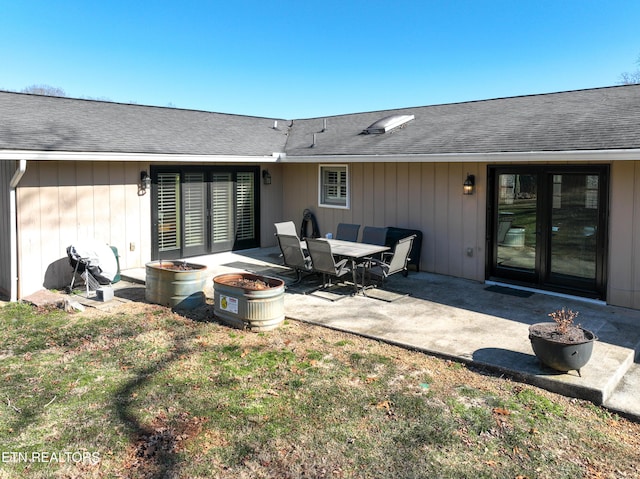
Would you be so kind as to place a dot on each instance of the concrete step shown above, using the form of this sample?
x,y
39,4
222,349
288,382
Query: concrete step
x,y
625,398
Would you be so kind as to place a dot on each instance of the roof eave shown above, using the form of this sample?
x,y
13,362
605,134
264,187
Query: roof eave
x,y
490,157
41,155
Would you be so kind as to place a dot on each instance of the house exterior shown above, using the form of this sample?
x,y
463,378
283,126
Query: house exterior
x,y
555,202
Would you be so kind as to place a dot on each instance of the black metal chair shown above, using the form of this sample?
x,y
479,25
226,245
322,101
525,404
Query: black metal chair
x,y
374,235
347,232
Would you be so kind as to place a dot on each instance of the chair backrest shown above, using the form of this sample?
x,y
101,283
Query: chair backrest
x,y
286,228
400,255
292,252
347,232
374,235
321,256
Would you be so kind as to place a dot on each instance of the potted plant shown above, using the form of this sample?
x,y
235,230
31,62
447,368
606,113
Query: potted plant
x,y
562,345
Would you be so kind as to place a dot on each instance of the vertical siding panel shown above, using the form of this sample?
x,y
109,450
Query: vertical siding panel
x,y
379,194
356,176
102,207
441,218
49,212
632,254
414,201
144,240
470,219
133,221
427,218
390,205
402,196
368,213
271,205
67,203
481,226
29,220
456,220
86,204
118,206
299,192
622,257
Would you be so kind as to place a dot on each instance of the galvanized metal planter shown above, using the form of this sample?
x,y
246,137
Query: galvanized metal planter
x,y
239,305
176,284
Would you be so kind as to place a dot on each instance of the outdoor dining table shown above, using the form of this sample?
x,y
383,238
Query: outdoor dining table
x,y
355,251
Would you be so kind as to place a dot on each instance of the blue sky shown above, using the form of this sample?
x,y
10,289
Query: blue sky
x,y
304,58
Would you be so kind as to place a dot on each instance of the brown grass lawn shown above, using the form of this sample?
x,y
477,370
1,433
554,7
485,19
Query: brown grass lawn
x,y
147,393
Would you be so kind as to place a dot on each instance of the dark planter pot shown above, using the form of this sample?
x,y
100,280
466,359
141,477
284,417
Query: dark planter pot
x,y
238,304
558,352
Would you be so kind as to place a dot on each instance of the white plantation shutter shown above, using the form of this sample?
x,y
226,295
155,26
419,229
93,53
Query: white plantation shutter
x,y
222,208
168,211
334,186
245,212
195,210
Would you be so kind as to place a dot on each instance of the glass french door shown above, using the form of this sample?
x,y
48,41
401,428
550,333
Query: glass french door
x,y
198,211
548,227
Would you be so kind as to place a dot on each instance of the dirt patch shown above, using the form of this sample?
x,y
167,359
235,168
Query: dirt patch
x,y
549,331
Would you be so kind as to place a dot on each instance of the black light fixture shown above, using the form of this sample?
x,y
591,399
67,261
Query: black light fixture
x,y
145,181
469,184
266,177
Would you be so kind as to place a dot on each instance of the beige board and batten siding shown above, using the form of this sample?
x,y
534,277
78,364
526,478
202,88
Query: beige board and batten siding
x,y
423,196
270,203
63,202
623,286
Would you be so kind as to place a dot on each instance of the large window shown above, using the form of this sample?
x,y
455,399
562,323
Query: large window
x,y
334,186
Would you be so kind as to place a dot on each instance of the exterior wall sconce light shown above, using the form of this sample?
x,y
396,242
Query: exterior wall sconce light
x,y
469,184
266,177
145,181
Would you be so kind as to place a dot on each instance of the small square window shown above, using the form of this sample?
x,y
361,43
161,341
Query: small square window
x,y
334,186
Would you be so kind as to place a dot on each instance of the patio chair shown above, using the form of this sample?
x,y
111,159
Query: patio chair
x,y
286,228
374,235
324,261
347,232
294,256
392,263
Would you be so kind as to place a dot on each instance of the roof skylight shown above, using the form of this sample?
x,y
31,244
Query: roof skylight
x,y
388,123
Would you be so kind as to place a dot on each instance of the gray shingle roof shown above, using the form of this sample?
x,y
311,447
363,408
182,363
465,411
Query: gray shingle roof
x,y
32,122
604,118
596,119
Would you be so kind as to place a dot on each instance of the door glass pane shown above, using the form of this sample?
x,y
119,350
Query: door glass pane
x,y
245,214
574,221
222,208
168,211
517,219
195,211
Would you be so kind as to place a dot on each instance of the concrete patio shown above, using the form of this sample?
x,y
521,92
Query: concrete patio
x,y
473,322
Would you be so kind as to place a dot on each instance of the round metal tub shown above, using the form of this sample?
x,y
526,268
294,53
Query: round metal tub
x,y
177,284
239,304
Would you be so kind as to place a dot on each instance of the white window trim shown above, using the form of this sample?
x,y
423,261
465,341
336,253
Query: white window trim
x,y
321,204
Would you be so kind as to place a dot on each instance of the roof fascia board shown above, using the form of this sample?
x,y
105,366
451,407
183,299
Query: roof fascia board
x,y
574,155
528,156
130,157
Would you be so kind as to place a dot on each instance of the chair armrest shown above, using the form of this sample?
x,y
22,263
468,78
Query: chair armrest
x,y
340,264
